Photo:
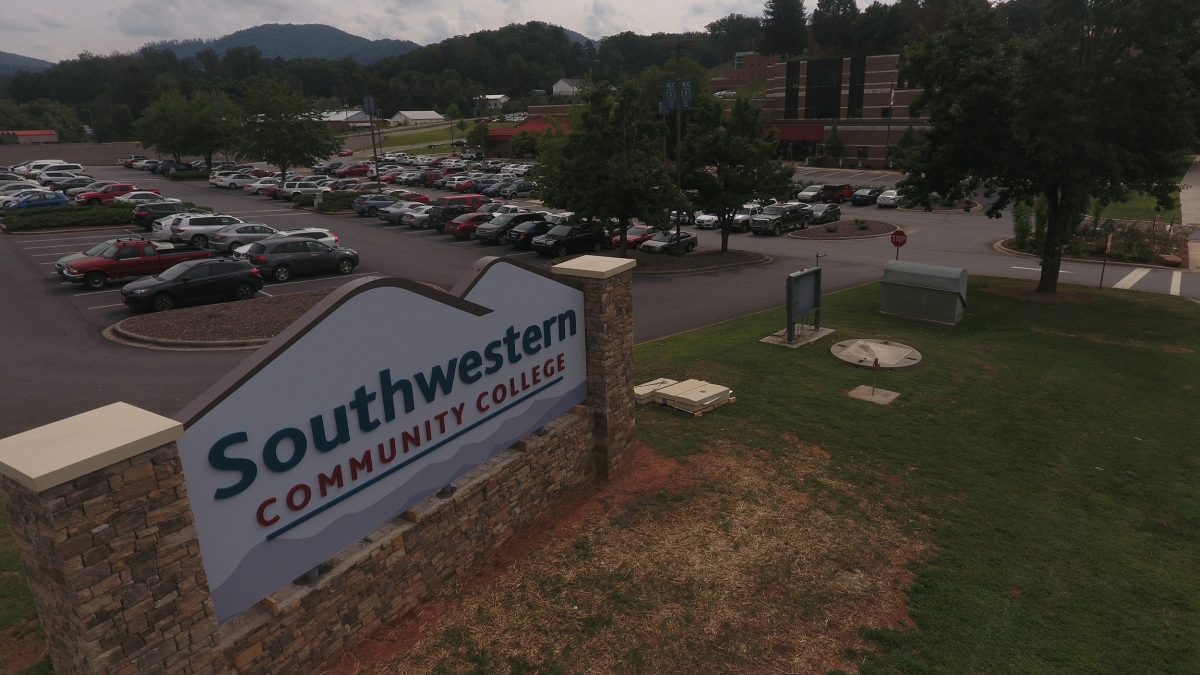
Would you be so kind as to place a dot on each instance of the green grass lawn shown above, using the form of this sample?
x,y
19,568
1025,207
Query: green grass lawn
x,y
1142,207
1047,450
441,135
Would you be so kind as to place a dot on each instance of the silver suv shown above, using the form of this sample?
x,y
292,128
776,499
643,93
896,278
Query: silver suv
x,y
198,228
292,188
232,236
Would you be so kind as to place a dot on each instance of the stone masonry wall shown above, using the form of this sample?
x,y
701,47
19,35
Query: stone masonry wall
x,y
306,626
608,309
115,569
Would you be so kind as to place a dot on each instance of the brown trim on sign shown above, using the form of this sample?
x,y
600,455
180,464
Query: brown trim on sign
x,y
482,265
299,328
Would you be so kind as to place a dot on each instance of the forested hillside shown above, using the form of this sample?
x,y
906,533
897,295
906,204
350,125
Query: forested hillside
x,y
295,41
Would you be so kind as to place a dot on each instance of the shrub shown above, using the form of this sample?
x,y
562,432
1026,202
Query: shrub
x,y
861,224
188,175
303,200
336,201
1022,215
831,227
67,216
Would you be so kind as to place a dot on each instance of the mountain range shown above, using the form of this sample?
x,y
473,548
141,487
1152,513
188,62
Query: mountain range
x,y
11,63
293,41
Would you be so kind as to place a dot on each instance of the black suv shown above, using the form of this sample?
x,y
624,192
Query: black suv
x,y
193,281
440,215
496,230
779,218
570,238
145,214
281,258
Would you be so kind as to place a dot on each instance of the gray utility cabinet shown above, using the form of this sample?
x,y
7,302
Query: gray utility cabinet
x,y
925,292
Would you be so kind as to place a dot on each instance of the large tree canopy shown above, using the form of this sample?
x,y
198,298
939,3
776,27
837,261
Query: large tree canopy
x,y
1100,100
784,27
281,128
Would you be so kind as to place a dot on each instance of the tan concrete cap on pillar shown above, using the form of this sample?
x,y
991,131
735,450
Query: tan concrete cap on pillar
x,y
42,458
594,266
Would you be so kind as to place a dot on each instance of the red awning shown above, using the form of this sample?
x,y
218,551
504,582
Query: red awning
x,y
800,132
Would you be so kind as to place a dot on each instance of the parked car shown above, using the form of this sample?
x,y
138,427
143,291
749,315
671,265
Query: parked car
x,y
37,200
259,186
520,189
235,181
369,204
496,230
193,282
145,164
410,196
635,235
64,184
197,228
104,194
810,194
708,221
325,167
341,184
146,213
127,162
417,218
779,218
164,168
143,196
60,265
128,258
352,170
395,212
567,238
217,175
826,213
287,256
232,237
837,193
670,242
346,153
474,201
292,188
48,178
888,199
18,195
522,235
499,208
315,233
440,215
495,190
741,220
463,227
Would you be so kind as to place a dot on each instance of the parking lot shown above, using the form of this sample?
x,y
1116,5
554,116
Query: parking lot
x,y
59,363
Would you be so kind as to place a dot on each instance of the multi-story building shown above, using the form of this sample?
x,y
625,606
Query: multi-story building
x,y
863,96
747,66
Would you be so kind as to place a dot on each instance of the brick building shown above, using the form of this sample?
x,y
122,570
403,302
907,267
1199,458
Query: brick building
x,y
747,66
864,96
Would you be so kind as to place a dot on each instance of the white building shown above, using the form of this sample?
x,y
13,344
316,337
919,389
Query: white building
x,y
345,119
406,118
495,101
568,86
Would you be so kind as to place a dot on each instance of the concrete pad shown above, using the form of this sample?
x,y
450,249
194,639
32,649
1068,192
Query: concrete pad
x,y
881,396
803,337
594,266
42,458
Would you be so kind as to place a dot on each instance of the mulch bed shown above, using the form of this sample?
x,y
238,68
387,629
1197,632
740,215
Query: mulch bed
x,y
696,261
248,320
846,230
1182,252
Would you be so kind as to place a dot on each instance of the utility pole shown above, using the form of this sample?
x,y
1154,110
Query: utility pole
x,y
678,46
887,144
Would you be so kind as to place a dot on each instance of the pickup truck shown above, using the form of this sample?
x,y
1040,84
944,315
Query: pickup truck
x,y
106,194
126,258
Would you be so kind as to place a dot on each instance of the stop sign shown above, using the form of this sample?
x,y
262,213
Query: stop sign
x,y
899,238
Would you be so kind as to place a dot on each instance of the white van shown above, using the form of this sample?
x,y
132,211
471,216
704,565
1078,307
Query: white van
x,y
41,164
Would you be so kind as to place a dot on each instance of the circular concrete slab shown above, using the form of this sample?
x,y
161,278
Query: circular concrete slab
x,y
891,355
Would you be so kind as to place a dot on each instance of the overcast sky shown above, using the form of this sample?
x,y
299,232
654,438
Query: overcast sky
x,y
64,28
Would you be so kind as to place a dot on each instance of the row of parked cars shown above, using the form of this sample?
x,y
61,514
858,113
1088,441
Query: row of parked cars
x,y
840,194
31,185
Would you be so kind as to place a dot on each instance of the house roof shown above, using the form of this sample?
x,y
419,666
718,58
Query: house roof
x,y
532,123
569,81
494,97
344,116
32,132
419,115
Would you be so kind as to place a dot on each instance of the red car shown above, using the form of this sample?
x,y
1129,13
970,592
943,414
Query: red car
x,y
259,173
346,153
271,191
128,258
464,226
106,194
390,177
635,235
465,186
352,171
410,196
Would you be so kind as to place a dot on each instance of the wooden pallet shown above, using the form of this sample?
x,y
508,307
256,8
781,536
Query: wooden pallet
x,y
704,410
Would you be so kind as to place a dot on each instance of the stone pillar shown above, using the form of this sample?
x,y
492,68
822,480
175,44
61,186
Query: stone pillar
x,y
104,525
608,304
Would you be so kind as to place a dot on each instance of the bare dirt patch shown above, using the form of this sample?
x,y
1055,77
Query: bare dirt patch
x,y
727,561
20,647
248,320
846,229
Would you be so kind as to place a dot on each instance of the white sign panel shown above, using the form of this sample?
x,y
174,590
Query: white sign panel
x,y
381,395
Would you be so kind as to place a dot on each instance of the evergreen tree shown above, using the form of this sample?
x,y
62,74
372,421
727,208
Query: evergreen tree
x,y
785,30
833,22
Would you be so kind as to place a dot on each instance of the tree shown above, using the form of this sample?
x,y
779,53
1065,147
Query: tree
x,y
832,22
727,161
610,165
878,29
480,137
834,146
282,129
204,131
734,33
163,125
525,144
784,28
1100,102
454,112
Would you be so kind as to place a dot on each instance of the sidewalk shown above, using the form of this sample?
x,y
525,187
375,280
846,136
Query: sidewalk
x,y
1189,195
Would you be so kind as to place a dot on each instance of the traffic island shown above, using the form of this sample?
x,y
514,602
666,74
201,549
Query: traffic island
x,y
1169,257
696,262
847,229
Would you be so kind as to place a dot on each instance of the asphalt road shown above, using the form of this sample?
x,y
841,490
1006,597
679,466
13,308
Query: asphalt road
x,y
57,363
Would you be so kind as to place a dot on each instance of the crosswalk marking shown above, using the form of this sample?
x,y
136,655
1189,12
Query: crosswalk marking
x,y
1176,281
1132,278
